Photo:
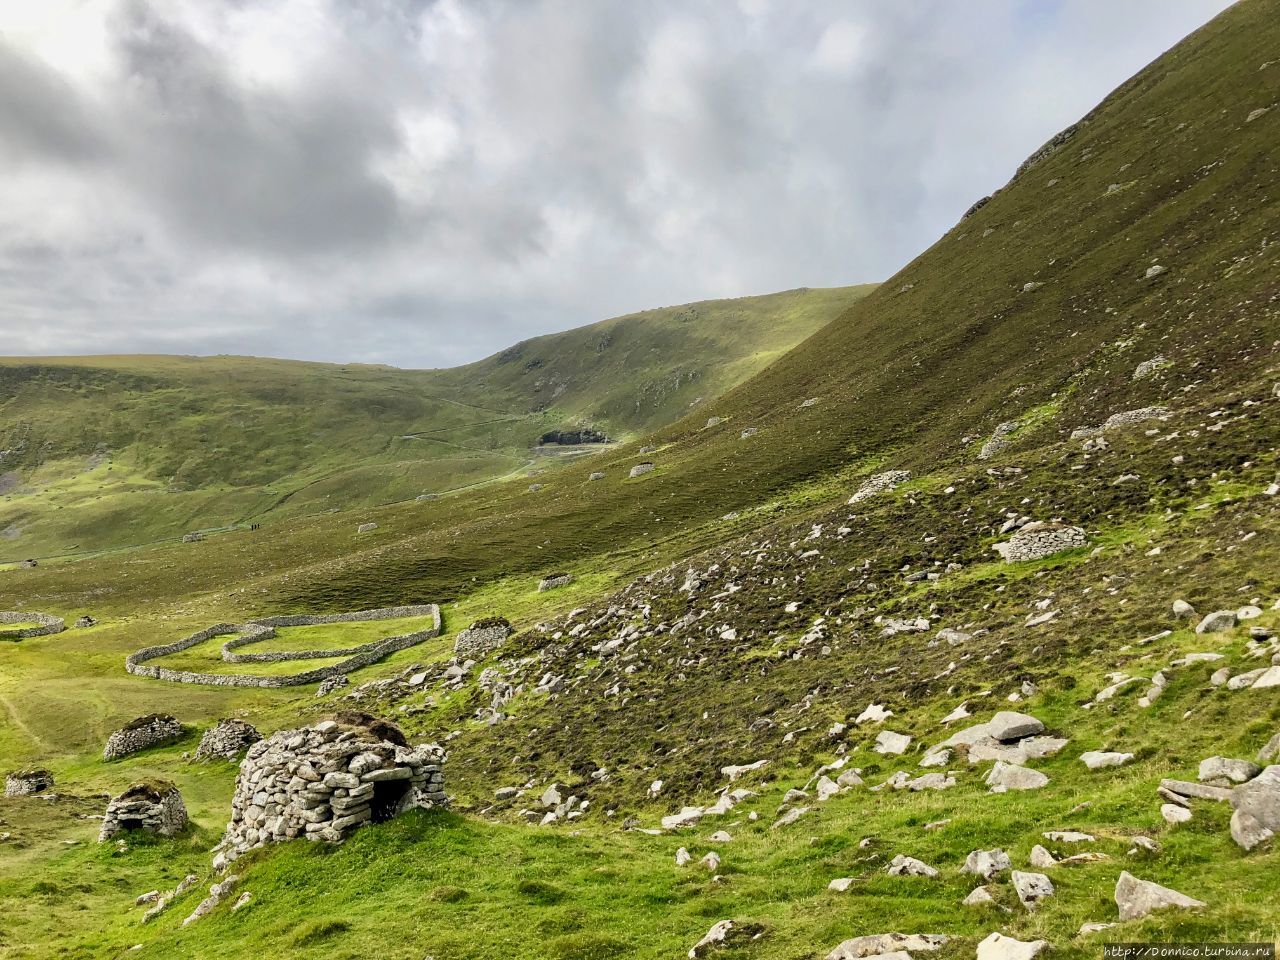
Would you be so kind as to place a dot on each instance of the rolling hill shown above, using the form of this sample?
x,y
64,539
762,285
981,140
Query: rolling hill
x,y
102,451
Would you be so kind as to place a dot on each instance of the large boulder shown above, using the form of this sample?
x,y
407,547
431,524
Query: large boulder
x,y
882,944
999,947
1136,898
987,863
1256,817
1217,622
1006,726
1007,776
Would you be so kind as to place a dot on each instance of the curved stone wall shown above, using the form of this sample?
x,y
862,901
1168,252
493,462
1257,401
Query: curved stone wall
x,y
47,625
257,630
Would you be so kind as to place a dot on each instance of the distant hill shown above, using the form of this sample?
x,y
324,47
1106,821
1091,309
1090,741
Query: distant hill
x,y
104,451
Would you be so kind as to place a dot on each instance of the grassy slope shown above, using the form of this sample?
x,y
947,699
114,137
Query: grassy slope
x,y
970,351
104,451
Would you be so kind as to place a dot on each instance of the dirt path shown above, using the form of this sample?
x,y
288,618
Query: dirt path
x,y
16,719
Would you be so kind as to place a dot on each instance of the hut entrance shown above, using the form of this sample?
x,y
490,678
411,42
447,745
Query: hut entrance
x,y
131,823
387,795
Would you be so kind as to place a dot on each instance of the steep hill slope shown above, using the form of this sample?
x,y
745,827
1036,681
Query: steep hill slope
x,y
101,451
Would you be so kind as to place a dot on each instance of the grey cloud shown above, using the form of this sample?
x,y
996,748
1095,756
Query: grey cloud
x,y
423,183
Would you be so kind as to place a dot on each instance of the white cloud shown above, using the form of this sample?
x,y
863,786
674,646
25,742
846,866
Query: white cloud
x,y
426,181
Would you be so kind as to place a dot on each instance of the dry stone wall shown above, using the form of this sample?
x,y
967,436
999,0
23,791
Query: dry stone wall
x,y
258,630
153,806
45,625
553,581
152,731
481,639
23,783
227,740
324,781
1035,541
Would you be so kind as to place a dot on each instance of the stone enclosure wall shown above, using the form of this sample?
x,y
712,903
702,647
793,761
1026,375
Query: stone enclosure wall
x,y
257,630
153,731
156,807
45,625
324,781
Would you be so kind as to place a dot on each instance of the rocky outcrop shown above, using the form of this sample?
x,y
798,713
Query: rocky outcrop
x,y
324,781
154,730
23,783
1035,541
45,625
227,740
152,805
257,630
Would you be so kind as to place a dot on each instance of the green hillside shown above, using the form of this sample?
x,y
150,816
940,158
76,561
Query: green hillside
x,y
108,451
742,602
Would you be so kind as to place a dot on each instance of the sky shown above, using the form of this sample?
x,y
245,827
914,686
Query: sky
x,y
424,182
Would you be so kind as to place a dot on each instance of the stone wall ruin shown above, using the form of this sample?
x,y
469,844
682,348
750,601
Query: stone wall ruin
x,y
1035,541
23,783
227,740
481,638
323,782
150,731
153,805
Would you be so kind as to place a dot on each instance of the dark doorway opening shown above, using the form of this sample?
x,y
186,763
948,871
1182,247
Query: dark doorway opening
x,y
131,824
387,795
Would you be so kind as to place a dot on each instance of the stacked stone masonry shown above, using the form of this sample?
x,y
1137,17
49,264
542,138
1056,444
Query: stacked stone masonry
x,y
324,781
23,783
156,807
480,639
1036,541
45,625
227,740
880,483
553,581
152,731
257,630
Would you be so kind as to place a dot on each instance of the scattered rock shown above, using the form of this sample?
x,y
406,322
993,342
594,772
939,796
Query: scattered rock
x,y
726,933
1031,888
987,863
1137,898
999,947
887,944
1100,759
1217,622
1007,776
902,866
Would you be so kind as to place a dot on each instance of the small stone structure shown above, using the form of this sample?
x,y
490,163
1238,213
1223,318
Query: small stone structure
x,y
256,631
86,621
152,805
999,439
1037,540
596,476
45,625
640,469
481,638
192,537
553,580
150,731
324,781
23,783
880,483
1125,418
227,740
366,528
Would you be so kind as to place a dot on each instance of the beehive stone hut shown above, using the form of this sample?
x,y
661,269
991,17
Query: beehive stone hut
x,y
1038,540
23,783
153,805
481,638
324,781
150,731
227,740
553,580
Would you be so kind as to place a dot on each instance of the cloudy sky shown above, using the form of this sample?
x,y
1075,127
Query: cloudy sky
x,y
422,183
